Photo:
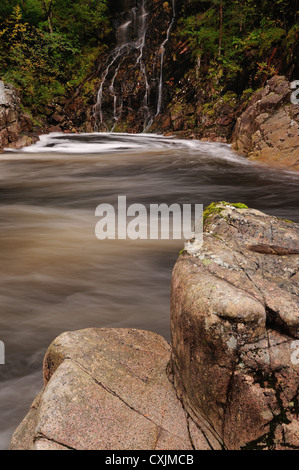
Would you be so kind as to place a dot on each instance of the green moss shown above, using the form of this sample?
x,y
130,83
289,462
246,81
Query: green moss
x,y
286,220
208,109
216,236
238,205
229,98
215,208
212,209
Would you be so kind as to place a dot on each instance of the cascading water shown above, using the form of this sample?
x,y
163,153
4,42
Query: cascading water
x,y
130,40
162,49
129,84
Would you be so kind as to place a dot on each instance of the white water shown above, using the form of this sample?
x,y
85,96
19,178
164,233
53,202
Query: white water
x,y
56,276
103,142
162,52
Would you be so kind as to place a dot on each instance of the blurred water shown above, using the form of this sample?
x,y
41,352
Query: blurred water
x,y
56,276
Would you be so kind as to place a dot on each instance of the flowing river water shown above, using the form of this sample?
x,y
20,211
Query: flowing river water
x,y
57,276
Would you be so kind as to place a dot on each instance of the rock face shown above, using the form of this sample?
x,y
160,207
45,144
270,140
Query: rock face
x,y
106,389
268,130
15,127
200,119
234,324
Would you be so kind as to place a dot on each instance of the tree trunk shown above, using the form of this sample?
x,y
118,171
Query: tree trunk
x,y
49,14
220,27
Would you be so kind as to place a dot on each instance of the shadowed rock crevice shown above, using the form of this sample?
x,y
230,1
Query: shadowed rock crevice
x,y
49,444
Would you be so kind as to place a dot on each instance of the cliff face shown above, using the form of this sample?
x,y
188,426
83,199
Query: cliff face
x,y
16,129
233,361
268,131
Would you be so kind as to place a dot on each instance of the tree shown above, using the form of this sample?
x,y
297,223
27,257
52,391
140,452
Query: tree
x,y
220,26
48,10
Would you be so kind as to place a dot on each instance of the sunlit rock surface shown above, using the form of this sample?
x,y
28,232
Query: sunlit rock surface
x,y
106,389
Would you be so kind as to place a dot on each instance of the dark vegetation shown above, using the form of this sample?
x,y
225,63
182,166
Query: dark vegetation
x,y
241,44
47,47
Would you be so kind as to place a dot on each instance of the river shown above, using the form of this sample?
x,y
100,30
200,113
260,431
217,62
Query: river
x,y
57,276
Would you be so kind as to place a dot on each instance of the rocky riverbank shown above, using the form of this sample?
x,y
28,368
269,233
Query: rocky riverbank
x,y
268,131
264,129
16,127
228,381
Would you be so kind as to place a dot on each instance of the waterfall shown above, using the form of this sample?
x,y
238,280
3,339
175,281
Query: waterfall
x,y
128,66
162,51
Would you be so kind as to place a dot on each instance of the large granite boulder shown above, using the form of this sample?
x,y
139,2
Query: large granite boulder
x,y
234,324
16,129
107,389
268,131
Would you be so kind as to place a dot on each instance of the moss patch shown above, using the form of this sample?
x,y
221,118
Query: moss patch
x,y
215,208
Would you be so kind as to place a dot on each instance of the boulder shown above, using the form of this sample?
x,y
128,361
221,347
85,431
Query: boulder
x,y
234,326
106,389
268,131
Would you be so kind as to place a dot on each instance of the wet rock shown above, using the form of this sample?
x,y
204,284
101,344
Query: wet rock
x,y
106,389
54,129
16,129
234,321
58,118
268,131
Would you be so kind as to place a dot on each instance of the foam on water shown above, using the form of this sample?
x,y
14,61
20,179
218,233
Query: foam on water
x,y
105,142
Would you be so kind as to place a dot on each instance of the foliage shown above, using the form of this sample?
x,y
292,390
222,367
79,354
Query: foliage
x,y
241,37
48,46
